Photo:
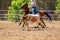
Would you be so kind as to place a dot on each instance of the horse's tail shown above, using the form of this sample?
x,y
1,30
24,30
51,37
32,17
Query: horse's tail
x,y
48,16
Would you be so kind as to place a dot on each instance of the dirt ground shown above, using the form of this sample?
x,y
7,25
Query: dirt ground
x,y
11,31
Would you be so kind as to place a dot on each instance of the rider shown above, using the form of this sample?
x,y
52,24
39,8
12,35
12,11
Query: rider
x,y
33,3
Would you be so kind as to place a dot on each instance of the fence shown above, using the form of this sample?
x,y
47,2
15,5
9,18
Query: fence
x,y
3,13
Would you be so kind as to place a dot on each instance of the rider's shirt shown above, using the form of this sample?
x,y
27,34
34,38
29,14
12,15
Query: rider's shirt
x,y
33,2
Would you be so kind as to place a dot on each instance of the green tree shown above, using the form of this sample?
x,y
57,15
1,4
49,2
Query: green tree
x,y
43,4
58,7
14,9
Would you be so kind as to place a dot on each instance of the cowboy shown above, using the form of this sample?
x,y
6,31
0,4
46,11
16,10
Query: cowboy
x,y
33,3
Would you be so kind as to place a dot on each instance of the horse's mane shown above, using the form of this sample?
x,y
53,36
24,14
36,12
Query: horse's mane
x,y
26,8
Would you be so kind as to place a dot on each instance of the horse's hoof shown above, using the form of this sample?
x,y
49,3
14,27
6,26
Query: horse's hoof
x,y
29,30
43,26
23,29
19,24
36,27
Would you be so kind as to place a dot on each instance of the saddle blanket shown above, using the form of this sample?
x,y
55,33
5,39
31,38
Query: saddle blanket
x,y
33,15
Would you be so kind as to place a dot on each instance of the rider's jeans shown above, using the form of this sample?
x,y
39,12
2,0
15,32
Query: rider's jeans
x,y
33,10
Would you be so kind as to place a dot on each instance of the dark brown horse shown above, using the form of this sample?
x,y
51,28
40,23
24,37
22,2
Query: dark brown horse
x,y
33,19
26,11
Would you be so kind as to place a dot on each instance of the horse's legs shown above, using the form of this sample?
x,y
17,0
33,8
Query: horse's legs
x,y
22,23
41,25
19,23
27,26
42,21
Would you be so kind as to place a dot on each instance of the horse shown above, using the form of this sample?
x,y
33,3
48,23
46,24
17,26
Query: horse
x,y
27,17
32,20
26,11
41,12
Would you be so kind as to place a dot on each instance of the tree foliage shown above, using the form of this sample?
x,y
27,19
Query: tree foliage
x,y
46,4
58,7
14,9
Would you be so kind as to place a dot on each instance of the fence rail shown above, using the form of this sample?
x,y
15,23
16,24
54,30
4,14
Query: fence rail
x,y
53,16
3,13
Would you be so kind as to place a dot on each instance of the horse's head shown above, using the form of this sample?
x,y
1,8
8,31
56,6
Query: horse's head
x,y
24,5
25,8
